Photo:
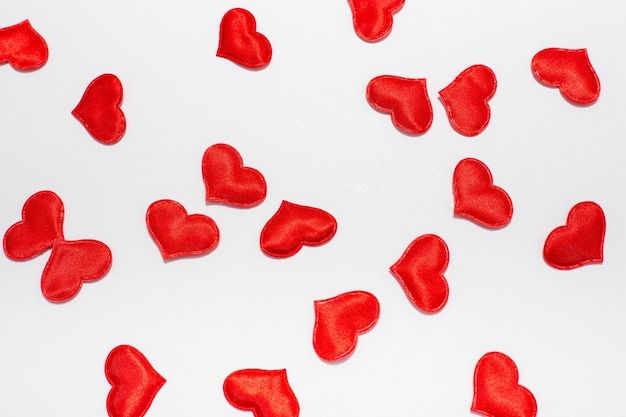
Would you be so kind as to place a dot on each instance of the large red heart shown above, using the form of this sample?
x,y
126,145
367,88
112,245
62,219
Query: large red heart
x,y
420,272
178,234
475,196
240,42
406,99
373,19
497,392
227,181
466,99
570,70
134,382
99,109
22,47
339,321
264,392
580,241
41,225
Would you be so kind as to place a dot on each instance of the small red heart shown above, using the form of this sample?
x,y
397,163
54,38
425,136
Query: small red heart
x,y
466,99
227,181
264,392
475,196
240,42
293,226
570,70
134,382
339,321
178,234
41,225
497,392
373,19
22,47
420,272
406,99
99,109
580,241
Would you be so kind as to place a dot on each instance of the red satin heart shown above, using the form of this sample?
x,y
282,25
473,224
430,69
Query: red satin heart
x,y
264,392
227,181
99,109
339,321
240,42
70,264
570,70
466,99
178,234
406,99
373,19
22,47
497,392
580,241
475,196
293,226
41,225
134,382
420,272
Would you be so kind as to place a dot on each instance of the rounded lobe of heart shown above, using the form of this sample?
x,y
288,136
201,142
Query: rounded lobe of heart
x,y
227,181
339,320
41,225
420,272
99,109
134,382
570,70
266,393
22,47
241,43
580,241
466,99
373,19
497,392
476,198
293,226
406,99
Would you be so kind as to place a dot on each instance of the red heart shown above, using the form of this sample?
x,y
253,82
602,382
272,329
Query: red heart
x,y
22,47
99,109
475,196
240,42
264,392
339,321
134,382
227,181
70,264
466,99
570,70
420,272
497,392
580,241
41,225
373,19
293,226
178,234
406,99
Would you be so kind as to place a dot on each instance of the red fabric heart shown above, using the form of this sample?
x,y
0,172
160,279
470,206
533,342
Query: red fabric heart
x,y
134,382
240,42
227,181
475,196
466,99
293,226
264,392
99,109
22,47
373,19
339,321
496,389
420,272
570,70
406,99
41,225
580,241
178,234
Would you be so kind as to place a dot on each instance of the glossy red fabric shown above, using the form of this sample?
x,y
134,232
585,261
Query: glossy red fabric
x,y
241,43
22,47
373,19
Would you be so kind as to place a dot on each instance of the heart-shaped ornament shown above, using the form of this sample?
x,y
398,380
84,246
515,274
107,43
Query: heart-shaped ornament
x,y
240,42
373,19
22,47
